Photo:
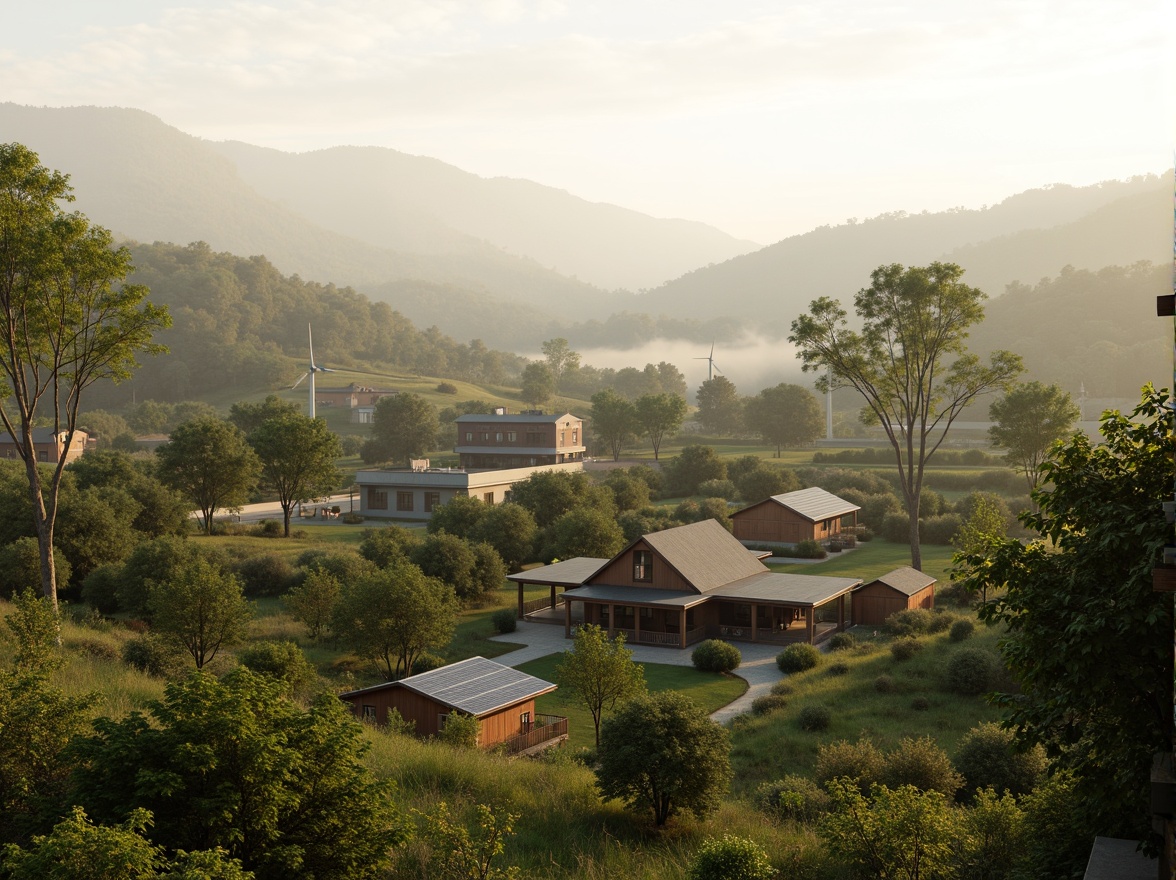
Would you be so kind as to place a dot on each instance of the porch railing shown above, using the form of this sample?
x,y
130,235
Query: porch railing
x,y
532,605
666,639
543,729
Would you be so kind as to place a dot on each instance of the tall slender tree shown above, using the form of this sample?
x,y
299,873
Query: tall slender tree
x,y
66,322
660,416
297,456
913,320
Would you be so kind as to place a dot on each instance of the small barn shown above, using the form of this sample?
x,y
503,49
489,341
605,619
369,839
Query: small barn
x,y
805,515
905,587
501,698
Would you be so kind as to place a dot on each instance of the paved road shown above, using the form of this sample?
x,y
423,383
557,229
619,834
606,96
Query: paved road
x,y
252,513
758,668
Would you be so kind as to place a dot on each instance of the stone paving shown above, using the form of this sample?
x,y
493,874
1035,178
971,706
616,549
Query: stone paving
x,y
758,668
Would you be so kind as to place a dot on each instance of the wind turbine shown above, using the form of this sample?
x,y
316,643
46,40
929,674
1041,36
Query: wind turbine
x,y
313,369
711,367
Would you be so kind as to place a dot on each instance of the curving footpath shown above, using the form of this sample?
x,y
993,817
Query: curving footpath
x,y
758,668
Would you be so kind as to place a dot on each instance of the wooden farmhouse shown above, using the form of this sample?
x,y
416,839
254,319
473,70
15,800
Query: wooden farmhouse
x,y
900,589
501,698
805,515
679,586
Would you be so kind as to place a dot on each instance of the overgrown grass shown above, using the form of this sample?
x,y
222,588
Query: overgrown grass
x,y
771,746
708,689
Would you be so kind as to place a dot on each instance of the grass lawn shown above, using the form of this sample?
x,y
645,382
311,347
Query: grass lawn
x,y
873,558
707,689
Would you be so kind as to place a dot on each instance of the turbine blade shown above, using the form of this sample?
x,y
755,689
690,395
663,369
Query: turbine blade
x,y
299,382
310,339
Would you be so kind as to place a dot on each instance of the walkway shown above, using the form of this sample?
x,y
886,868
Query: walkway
x,y
758,668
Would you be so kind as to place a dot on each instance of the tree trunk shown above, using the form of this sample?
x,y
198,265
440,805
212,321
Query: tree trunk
x,y
43,523
916,549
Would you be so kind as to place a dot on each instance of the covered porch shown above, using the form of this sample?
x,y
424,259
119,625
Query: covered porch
x,y
565,575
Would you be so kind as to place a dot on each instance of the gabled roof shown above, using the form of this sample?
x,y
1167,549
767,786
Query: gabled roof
x,y
704,553
514,418
476,686
906,580
814,504
569,573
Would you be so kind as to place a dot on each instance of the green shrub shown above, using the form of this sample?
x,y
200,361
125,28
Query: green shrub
x,y
427,662
783,689
265,574
865,535
730,858
962,630
920,704
794,797
768,703
986,757
954,594
905,649
808,550
842,641
724,489
505,620
940,529
941,622
100,588
352,519
798,658
861,761
838,668
923,764
446,388
715,655
283,661
909,622
815,718
884,684
460,731
971,671
154,656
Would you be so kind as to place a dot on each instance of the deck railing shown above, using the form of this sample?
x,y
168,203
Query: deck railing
x,y
666,639
543,729
532,605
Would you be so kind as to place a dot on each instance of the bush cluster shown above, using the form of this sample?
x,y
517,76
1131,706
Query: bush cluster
x,y
715,655
884,684
768,703
798,658
909,622
962,630
809,549
505,620
986,757
797,798
842,641
730,858
905,648
815,718
972,671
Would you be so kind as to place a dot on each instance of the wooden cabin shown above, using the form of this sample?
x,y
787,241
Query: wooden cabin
x,y
902,588
805,515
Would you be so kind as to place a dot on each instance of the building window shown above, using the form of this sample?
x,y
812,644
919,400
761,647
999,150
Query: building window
x,y
488,497
469,436
441,719
642,565
369,713
486,436
432,499
525,721
404,501
43,455
575,436
511,436
646,613
377,499
498,437
534,438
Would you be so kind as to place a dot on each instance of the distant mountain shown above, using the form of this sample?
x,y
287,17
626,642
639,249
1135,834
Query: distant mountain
x,y
1024,238
420,205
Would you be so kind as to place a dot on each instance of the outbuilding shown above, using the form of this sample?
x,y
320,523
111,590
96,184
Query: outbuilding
x,y
805,515
902,588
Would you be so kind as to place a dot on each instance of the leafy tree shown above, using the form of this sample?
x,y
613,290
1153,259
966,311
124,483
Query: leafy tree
x,y
489,573
451,560
510,529
313,602
720,408
629,493
103,427
394,615
152,562
614,420
987,758
984,528
560,359
458,516
36,628
599,672
201,607
660,415
913,319
79,850
550,494
583,531
786,415
899,834
69,322
251,416
991,838
459,854
283,662
538,385
1029,420
209,461
692,467
162,511
763,482
662,752
20,566
231,763
297,457
1086,634
381,546
730,858
404,426
96,527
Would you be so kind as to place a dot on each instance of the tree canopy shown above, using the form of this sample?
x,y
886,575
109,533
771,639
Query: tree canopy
x,y
210,462
785,415
200,607
912,320
660,416
614,421
68,322
404,426
599,672
1029,420
720,408
297,456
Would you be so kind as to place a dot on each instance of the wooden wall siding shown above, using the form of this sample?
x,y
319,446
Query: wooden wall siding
x,y
505,723
873,603
619,573
426,714
772,522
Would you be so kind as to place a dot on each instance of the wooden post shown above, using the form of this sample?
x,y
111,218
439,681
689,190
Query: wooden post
x,y
754,620
521,614
612,617
553,596
567,619
682,629
636,625
841,612
810,622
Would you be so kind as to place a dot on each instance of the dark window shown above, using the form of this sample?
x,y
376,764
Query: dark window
x,y
642,565
511,436
469,436
377,499
488,497
369,713
432,499
404,501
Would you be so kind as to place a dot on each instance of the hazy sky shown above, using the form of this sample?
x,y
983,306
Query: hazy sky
x,y
763,118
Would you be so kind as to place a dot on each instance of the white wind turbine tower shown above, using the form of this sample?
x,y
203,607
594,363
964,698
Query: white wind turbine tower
x,y
313,369
711,367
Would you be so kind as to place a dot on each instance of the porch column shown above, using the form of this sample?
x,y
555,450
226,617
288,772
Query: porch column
x,y
521,615
612,616
810,622
567,619
841,612
553,596
636,625
682,628
754,620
